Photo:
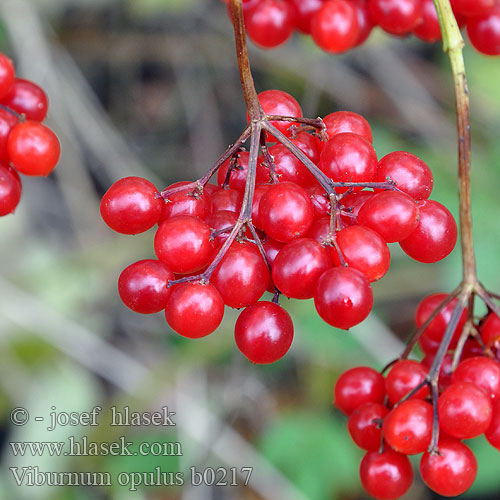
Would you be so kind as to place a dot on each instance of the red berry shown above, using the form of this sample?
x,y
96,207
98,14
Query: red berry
x,y
183,244
298,266
188,202
391,214
308,144
481,371
347,121
320,230
7,75
221,220
33,148
257,196
143,286
464,410
493,432
445,371
397,17
270,23
363,249
226,199
10,189
194,309
277,102
365,425
319,199
304,11
484,32
358,386
352,204
241,276
271,248
408,427
238,176
435,236
470,8
365,22
452,471
428,28
387,475
264,332
348,157
490,331
285,211
343,297
129,206
409,172
428,345
27,98
403,377
7,122
334,27
289,168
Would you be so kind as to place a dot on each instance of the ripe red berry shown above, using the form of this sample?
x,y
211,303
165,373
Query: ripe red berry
x,y
270,23
490,331
397,17
238,176
271,248
403,377
435,236
27,98
304,11
33,148
7,122
352,204
464,410
387,475
257,196
241,276
470,8
391,214
223,219
277,102
493,432
428,28
264,332
298,266
334,27
226,199
452,471
7,75
320,230
408,427
480,371
343,297
428,345
10,189
347,121
188,202
365,425
365,22
289,168
194,309
409,172
143,286
348,157
129,206
358,386
363,249
308,144
319,199
484,32
445,371
183,244
285,211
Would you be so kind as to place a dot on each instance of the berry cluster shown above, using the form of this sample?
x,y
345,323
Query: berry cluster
x,y
340,25
311,219
393,417
26,145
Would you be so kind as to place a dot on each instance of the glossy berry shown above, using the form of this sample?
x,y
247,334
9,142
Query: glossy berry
x,y
194,309
270,23
143,286
446,368
10,189
223,219
277,102
480,371
470,8
397,17
309,144
27,98
490,331
351,205
363,249
320,201
348,157
435,236
7,122
264,332
334,27
238,176
365,22
129,206
428,345
428,27
493,432
33,148
452,471
183,244
358,386
304,12
241,276
257,196
226,199
7,75
391,214
403,377
285,212
343,297
387,475
365,425
298,266
408,427
347,121
409,172
484,32
271,248
188,202
465,410
289,168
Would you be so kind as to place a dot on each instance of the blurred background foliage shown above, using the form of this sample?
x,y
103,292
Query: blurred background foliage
x,y
150,88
